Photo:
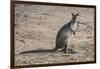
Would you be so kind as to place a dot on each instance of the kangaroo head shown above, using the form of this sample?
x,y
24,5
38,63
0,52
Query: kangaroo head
x,y
74,16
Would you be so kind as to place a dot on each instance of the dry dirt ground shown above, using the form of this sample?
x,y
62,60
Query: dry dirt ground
x,y
36,27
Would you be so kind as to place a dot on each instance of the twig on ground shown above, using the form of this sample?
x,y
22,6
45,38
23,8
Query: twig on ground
x,y
85,24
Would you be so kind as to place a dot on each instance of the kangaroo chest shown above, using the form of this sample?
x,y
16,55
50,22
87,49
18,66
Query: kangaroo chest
x,y
73,26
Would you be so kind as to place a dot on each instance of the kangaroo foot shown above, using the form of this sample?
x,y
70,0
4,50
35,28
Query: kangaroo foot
x,y
66,51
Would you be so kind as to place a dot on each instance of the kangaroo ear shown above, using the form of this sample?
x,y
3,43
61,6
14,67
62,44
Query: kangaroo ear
x,y
73,14
77,14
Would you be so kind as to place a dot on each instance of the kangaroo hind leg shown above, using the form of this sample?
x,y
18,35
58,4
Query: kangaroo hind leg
x,y
65,47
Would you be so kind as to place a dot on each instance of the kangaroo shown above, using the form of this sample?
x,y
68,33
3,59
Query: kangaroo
x,y
65,33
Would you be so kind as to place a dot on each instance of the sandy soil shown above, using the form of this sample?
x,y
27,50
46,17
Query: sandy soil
x,y
35,34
